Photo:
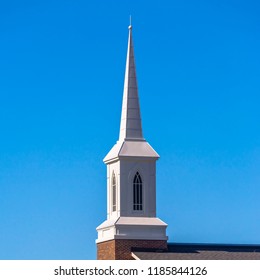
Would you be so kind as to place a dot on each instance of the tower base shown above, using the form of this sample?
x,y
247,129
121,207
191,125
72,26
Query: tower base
x,y
121,249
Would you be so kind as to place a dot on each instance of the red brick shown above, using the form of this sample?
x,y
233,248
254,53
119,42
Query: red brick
x,y
120,249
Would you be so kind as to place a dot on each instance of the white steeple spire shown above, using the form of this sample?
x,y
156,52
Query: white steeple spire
x,y
131,175
131,126
131,142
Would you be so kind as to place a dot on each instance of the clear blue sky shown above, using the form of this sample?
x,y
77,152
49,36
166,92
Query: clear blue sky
x,y
61,83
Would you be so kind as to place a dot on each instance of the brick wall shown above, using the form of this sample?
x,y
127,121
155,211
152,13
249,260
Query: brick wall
x,y
120,249
106,250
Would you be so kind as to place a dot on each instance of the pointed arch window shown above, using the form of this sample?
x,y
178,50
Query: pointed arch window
x,y
138,192
113,192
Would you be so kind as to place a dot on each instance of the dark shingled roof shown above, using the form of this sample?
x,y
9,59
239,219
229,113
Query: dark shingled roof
x,y
177,251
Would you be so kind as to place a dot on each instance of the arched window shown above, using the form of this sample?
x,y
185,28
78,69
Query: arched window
x,y
113,192
138,192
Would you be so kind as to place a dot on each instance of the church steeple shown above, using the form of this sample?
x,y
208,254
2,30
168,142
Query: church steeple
x,y
131,126
131,182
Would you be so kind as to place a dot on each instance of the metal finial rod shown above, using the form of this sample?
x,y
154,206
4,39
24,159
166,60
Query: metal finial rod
x,y
130,19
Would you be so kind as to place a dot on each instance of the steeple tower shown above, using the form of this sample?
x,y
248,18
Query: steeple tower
x,y
131,182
